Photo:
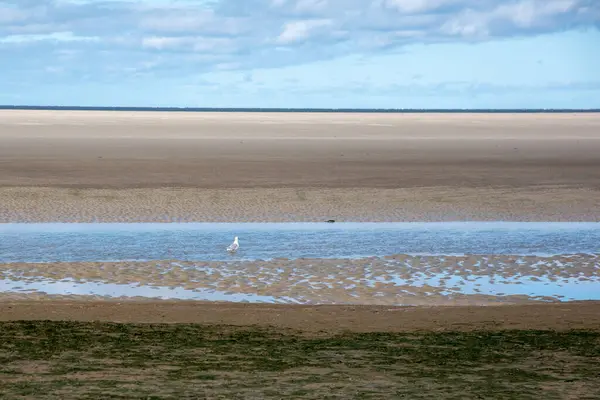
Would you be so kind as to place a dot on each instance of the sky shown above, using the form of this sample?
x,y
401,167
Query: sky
x,y
301,53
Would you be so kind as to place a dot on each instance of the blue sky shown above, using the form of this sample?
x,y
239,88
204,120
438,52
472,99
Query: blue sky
x,y
301,53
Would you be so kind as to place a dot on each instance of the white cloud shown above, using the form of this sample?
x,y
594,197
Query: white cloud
x,y
297,31
161,43
254,24
178,20
527,13
515,16
195,44
204,35
54,37
418,6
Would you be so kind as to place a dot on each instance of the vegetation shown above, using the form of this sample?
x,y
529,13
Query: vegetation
x,y
63,360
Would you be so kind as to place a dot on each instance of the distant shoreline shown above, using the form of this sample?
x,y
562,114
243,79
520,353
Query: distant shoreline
x,y
304,110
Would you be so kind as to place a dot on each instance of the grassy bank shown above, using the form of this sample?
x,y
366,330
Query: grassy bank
x,y
43,359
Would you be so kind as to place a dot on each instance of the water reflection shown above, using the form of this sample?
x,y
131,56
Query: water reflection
x,y
118,242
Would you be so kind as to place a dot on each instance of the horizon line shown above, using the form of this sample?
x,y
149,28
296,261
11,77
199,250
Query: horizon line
x,y
299,109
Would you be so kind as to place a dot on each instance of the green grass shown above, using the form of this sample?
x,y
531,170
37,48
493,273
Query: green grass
x,y
63,360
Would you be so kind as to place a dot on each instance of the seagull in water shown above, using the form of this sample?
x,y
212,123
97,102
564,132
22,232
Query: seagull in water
x,y
234,246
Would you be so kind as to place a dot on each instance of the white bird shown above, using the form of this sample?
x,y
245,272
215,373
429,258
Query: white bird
x,y
234,246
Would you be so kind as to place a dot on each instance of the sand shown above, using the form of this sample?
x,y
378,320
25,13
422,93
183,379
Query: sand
x,y
392,280
560,316
49,204
121,166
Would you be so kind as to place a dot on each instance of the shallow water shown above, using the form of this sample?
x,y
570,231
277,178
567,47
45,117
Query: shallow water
x,y
566,289
444,284
207,241
351,263
70,287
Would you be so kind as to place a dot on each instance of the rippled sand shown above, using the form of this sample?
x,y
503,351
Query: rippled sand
x,y
144,166
393,280
18,204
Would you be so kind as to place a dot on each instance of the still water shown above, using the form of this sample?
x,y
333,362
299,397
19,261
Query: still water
x,y
51,242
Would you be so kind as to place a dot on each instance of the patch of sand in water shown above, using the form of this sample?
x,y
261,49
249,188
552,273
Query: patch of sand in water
x,y
398,279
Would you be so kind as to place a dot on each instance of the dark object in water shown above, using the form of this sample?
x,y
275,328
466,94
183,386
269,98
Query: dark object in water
x,y
331,221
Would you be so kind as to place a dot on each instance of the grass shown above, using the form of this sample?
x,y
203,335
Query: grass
x,y
64,360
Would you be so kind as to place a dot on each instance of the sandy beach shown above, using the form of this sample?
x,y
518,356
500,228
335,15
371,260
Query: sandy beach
x,y
82,166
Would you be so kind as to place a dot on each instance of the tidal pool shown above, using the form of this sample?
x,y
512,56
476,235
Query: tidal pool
x,y
68,287
327,263
392,280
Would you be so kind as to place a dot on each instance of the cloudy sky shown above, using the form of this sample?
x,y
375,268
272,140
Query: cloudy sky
x,y
301,53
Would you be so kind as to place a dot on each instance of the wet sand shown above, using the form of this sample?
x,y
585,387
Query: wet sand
x,y
120,166
318,319
43,204
392,280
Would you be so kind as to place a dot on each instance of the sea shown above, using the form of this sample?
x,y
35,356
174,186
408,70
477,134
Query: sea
x,y
301,110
